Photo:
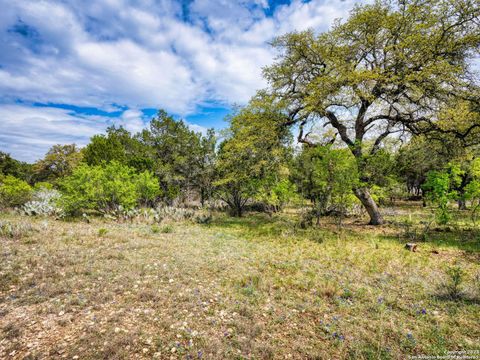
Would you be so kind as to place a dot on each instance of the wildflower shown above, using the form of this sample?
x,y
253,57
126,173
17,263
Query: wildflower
x,y
340,337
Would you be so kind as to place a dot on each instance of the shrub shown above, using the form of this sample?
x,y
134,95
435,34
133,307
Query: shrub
x,y
472,190
276,194
106,188
14,192
148,187
437,188
453,286
42,185
326,176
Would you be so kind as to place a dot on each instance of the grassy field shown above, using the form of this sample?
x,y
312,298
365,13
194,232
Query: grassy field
x,y
250,288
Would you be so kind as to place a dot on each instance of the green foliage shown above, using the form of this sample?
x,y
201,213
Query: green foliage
x,y
203,165
59,162
252,157
181,159
105,188
14,192
102,232
18,169
456,276
42,185
373,74
438,190
326,176
457,181
120,146
148,188
178,160
276,194
380,173
105,148
167,229
472,189
378,168
419,156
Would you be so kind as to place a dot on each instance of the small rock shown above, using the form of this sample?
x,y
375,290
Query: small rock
x,y
173,349
411,247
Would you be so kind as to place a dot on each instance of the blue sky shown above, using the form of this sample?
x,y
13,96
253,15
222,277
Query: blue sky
x,y
70,68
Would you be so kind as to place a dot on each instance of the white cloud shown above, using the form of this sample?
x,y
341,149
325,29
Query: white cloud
x,y
29,131
142,54
133,54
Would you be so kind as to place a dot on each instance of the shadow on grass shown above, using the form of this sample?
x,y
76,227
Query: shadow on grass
x,y
277,227
259,225
256,224
467,240
462,298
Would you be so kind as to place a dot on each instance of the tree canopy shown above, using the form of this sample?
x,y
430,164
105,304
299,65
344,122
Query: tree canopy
x,y
390,68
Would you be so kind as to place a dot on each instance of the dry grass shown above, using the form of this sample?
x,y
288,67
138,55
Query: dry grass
x,y
254,288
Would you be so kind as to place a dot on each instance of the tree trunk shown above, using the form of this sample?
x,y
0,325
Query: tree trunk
x,y
462,204
237,210
236,204
202,197
369,204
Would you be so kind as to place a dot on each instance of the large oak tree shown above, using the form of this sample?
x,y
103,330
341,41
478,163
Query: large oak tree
x,y
391,67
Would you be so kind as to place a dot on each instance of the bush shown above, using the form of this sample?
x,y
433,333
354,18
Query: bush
x,y
42,185
14,192
274,195
106,188
148,187
437,188
453,286
326,176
